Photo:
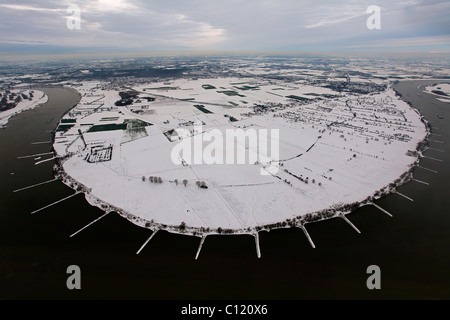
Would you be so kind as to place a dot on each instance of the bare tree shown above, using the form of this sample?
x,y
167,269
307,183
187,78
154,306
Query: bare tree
x,y
143,178
159,179
151,179
176,181
185,182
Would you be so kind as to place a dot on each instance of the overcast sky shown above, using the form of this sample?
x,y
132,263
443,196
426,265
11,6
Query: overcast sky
x,y
40,26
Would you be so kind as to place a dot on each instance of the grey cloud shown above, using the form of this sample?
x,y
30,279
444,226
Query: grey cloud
x,y
232,24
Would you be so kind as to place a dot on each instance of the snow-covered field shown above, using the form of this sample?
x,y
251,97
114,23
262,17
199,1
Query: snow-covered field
x,y
38,98
332,151
441,91
232,91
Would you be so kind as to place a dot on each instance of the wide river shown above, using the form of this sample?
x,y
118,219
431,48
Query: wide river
x,y
411,248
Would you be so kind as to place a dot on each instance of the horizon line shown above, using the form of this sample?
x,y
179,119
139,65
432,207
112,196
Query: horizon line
x,y
194,53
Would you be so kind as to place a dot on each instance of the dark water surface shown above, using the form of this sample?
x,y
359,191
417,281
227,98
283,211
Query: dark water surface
x,y
412,248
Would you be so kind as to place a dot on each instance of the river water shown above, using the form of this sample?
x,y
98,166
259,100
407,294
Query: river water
x,y
411,248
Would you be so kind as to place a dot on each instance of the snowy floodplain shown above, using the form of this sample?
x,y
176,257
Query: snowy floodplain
x,y
32,99
440,90
335,152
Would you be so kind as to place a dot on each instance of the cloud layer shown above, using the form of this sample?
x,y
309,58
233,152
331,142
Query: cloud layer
x,y
236,25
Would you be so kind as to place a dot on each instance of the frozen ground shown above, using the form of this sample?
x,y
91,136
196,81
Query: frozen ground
x,y
334,150
441,91
39,97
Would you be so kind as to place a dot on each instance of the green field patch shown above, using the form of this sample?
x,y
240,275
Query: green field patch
x,y
68,120
208,87
233,103
64,127
244,102
107,127
188,99
127,124
244,88
202,108
297,98
231,93
109,119
163,88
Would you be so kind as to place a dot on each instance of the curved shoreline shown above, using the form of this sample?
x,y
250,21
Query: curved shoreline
x,y
5,119
299,221
52,139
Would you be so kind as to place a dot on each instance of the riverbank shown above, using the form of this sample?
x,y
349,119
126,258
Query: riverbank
x,y
39,98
